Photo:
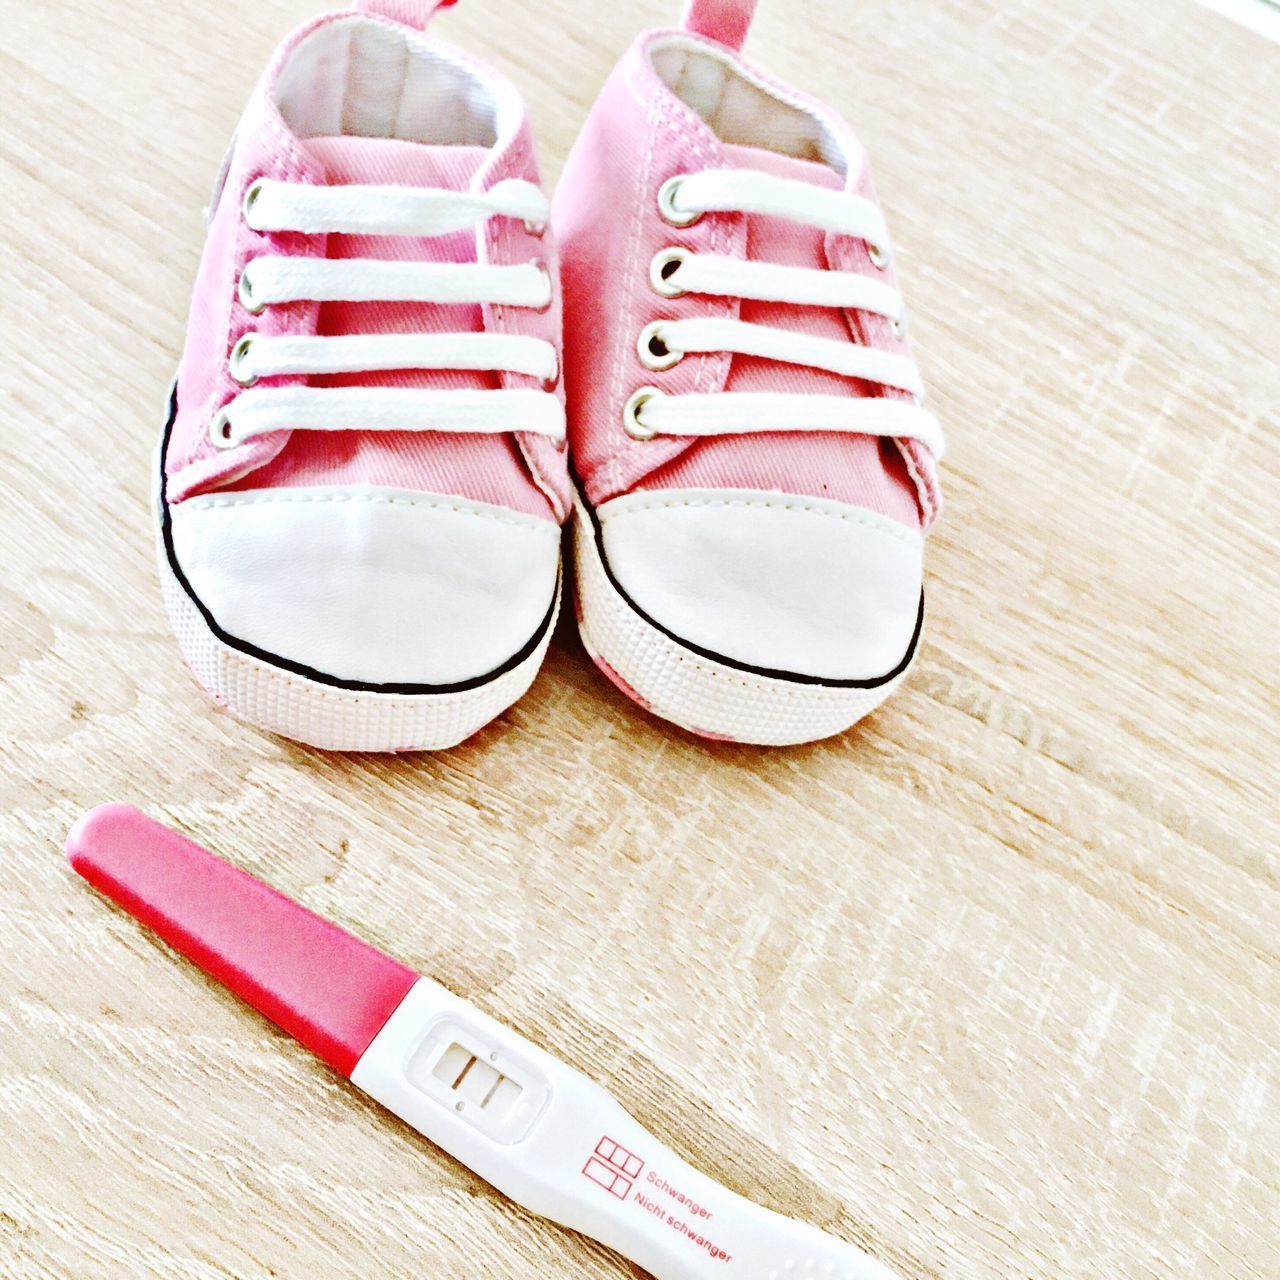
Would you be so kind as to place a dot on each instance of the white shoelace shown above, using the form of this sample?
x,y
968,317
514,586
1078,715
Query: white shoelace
x,y
390,211
676,271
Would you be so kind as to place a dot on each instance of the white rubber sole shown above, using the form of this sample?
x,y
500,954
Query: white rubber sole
x,y
327,715
711,698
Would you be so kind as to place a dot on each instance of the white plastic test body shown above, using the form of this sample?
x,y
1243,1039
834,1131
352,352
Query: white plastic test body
x,y
558,1144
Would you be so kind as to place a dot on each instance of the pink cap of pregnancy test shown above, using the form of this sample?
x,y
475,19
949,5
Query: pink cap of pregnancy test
x,y
326,988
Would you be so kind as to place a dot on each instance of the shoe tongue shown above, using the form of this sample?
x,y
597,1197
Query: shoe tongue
x,y
872,471
392,162
486,468
794,245
774,162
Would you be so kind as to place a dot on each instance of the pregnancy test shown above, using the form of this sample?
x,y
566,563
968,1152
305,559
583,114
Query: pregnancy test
x,y
539,1131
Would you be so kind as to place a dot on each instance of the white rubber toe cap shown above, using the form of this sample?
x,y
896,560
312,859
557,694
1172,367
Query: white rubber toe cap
x,y
369,585
771,581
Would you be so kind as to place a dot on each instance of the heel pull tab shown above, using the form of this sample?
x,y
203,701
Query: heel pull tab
x,y
726,21
413,13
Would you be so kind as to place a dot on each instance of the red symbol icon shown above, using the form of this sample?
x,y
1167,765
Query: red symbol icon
x,y
613,1167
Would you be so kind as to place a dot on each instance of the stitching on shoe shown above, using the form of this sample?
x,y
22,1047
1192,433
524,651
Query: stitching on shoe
x,y
215,503
664,112
817,695
618,352
890,529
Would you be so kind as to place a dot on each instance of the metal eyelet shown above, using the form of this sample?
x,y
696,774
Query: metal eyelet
x,y
251,198
220,429
897,326
879,255
667,207
536,229
551,383
245,291
631,423
653,351
664,265
235,362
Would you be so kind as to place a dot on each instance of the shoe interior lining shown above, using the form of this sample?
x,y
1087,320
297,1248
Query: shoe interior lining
x,y
359,78
741,110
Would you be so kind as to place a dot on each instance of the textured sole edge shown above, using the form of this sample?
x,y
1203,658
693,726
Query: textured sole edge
x,y
328,716
709,698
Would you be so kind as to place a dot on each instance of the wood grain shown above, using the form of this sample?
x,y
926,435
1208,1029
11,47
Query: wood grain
x,y
989,985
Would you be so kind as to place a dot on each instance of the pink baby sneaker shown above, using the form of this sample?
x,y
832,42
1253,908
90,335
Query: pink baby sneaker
x,y
756,471
363,475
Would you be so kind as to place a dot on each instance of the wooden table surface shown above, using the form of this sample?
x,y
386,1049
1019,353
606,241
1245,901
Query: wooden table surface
x,y
989,986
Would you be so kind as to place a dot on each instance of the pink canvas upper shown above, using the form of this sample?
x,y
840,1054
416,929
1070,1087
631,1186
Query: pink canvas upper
x,y
522,471
639,134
